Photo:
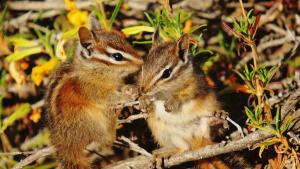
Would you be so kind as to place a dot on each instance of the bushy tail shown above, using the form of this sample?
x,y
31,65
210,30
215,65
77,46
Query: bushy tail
x,y
72,159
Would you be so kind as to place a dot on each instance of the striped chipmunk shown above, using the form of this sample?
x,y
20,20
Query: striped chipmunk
x,y
180,104
84,94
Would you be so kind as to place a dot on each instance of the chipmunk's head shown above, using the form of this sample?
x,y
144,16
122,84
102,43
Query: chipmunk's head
x,y
100,49
166,66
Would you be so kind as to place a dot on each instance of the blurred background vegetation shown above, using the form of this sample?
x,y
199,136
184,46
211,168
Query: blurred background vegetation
x,y
250,54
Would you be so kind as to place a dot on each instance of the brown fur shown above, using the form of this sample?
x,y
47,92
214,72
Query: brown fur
x,y
82,97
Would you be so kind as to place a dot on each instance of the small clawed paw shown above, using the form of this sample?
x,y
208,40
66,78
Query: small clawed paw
x,y
221,114
144,103
219,118
130,91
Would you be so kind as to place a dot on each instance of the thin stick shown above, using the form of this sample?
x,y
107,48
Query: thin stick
x,y
133,117
239,128
33,157
134,147
243,9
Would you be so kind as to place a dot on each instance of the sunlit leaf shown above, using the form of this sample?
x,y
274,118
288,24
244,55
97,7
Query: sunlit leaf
x,y
18,55
20,42
137,29
70,34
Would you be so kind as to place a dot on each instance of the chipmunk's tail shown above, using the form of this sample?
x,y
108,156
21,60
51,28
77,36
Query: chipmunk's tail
x,y
72,158
228,161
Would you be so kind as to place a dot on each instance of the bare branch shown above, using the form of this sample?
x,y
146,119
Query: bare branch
x,y
134,147
133,117
140,162
33,157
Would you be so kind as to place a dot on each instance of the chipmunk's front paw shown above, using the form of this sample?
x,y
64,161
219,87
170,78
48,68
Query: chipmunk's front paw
x,y
145,103
219,120
172,105
130,92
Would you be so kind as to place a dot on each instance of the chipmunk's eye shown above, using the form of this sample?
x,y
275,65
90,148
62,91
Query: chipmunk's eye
x,y
166,73
117,56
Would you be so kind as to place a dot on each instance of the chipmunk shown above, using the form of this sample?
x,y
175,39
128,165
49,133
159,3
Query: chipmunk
x,y
182,113
83,94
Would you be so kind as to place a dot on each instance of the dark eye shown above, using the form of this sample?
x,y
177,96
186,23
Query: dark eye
x,y
166,73
117,56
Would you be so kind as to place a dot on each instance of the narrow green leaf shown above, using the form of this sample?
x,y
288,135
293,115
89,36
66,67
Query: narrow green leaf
x,y
150,20
70,34
137,29
142,42
250,115
115,13
277,120
261,150
240,74
194,28
20,42
2,78
3,13
23,53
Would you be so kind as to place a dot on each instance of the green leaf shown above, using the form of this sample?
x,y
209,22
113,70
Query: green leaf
x,y
115,13
240,74
45,40
261,150
2,15
257,112
286,124
2,78
142,42
20,42
277,120
21,112
250,115
249,13
100,16
70,34
23,53
137,29
150,20
194,28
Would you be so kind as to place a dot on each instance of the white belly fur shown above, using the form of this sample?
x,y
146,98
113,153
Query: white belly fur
x,y
176,128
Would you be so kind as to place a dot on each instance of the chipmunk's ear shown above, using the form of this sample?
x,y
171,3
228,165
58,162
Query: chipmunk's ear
x,y
85,36
155,37
94,22
182,47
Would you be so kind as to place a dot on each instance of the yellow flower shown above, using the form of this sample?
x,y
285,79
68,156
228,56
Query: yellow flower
x,y
70,5
35,115
38,72
187,26
77,17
